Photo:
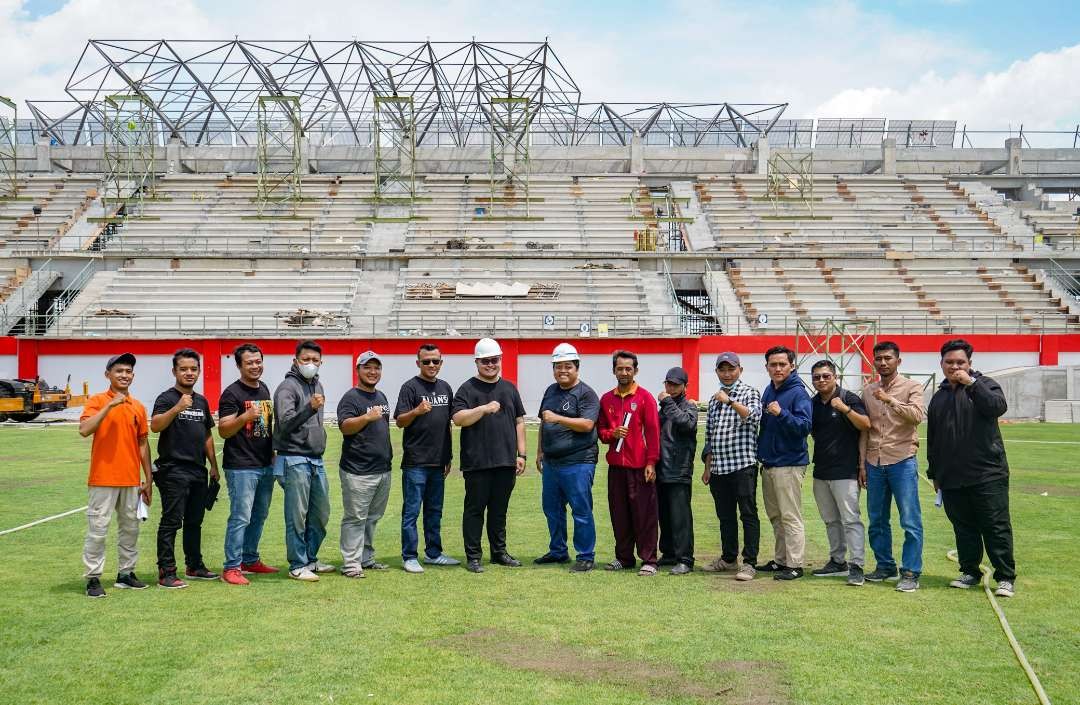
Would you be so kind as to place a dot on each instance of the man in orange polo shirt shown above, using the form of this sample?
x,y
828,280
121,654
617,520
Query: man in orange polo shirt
x,y
120,448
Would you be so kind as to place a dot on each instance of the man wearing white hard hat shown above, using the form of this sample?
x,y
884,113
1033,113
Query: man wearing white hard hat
x,y
566,455
492,419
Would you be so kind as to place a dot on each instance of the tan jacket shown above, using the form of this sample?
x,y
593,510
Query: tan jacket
x,y
894,428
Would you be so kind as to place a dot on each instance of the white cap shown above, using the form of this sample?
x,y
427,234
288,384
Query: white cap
x,y
486,347
564,352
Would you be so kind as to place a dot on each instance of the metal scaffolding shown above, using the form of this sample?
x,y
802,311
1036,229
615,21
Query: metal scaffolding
x,y
279,161
509,119
395,149
206,92
791,180
129,151
843,342
9,149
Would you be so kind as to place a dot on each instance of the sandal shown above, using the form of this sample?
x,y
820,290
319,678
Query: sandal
x,y
647,570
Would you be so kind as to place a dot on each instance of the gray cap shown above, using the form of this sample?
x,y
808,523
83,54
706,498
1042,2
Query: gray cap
x,y
728,357
366,357
125,358
676,375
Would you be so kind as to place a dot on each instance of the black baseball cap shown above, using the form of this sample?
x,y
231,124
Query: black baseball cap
x,y
676,375
124,358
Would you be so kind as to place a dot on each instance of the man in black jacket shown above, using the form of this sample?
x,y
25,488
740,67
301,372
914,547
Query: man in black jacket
x,y
966,461
674,472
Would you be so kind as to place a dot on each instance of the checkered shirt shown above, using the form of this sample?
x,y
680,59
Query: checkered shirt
x,y
730,439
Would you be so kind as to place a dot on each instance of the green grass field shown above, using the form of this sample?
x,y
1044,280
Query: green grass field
x,y
530,635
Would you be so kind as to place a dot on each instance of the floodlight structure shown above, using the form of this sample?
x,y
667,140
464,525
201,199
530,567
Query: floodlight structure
x,y
9,148
279,163
509,118
129,148
843,342
395,149
791,176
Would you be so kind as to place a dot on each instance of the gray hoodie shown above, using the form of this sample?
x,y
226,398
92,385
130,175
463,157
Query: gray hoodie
x,y
298,429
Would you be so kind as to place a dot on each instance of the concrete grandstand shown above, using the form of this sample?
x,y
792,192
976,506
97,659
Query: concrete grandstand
x,y
274,190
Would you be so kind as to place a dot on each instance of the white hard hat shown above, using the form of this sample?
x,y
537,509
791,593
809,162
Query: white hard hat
x,y
564,352
486,347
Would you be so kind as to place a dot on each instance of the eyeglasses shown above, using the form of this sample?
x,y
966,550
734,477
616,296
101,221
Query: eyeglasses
x,y
489,360
430,362
820,378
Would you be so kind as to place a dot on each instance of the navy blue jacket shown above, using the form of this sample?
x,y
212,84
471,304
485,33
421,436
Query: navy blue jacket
x,y
782,441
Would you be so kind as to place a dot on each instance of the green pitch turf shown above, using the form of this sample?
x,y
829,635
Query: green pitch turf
x,y
528,635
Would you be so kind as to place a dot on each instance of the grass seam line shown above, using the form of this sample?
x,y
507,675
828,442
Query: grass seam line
x,y
42,521
1021,658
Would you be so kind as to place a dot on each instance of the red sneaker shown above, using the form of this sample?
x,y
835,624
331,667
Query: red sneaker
x,y
233,576
257,567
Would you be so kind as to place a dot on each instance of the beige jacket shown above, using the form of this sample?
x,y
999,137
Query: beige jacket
x,y
894,428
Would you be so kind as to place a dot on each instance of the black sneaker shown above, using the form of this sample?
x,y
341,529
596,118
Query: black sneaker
x,y
550,558
507,560
94,589
473,565
200,573
881,574
581,566
129,582
855,576
831,569
788,574
770,567
171,582
965,581
667,561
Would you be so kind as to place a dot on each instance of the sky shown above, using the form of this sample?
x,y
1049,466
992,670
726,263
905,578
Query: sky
x,y
988,65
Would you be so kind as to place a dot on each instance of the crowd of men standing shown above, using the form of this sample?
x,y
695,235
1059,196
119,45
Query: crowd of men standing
x,y
861,441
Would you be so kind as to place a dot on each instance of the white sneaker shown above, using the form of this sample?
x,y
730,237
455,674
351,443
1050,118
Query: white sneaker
x,y
303,574
320,567
1005,588
442,559
413,566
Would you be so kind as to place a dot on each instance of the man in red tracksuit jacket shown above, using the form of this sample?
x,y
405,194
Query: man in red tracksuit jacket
x,y
631,466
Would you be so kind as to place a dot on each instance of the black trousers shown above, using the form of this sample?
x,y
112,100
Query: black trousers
x,y
486,491
980,517
737,491
676,522
183,504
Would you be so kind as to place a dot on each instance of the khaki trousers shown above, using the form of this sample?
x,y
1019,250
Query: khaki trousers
x,y
781,488
102,503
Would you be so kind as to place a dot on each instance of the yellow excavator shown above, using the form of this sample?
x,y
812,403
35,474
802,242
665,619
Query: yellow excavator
x,y
23,400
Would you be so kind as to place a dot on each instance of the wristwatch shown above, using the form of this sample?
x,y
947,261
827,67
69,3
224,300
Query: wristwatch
x,y
522,456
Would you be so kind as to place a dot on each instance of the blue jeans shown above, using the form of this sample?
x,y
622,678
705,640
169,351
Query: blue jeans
x,y
422,487
570,484
250,491
883,483
307,507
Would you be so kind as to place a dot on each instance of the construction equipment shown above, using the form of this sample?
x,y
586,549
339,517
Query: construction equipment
x,y
23,400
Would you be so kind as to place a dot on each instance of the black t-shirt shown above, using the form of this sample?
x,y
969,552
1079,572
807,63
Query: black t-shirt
x,y
561,445
491,442
427,441
367,452
836,440
182,445
253,445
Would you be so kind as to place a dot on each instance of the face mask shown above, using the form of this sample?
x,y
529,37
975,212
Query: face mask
x,y
308,370
726,387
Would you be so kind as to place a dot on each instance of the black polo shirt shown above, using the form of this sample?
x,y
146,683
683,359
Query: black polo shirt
x,y
836,440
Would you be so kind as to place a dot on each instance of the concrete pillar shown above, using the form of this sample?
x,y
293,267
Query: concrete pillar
x,y
43,154
761,154
172,156
306,162
637,154
1030,193
1013,164
888,156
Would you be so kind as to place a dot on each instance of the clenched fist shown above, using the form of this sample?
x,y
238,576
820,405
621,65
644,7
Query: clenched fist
x,y
774,408
492,407
185,402
317,401
839,405
423,407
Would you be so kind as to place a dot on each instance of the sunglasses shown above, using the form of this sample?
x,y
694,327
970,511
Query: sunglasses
x,y
489,360
820,378
430,363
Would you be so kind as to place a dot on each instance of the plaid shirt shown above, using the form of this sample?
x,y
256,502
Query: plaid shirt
x,y
730,439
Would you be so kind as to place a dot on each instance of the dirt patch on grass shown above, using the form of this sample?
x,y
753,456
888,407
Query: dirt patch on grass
x,y
22,483
726,581
723,682
1050,490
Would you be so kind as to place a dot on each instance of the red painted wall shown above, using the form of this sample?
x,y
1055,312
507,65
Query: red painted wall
x,y
29,349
